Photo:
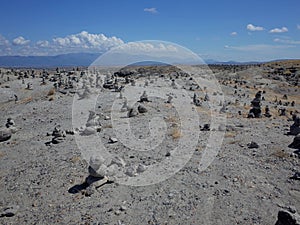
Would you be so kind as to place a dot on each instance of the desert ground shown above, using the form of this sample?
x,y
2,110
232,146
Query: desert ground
x,y
47,177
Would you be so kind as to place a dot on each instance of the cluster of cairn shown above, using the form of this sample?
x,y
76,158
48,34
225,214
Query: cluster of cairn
x,y
111,82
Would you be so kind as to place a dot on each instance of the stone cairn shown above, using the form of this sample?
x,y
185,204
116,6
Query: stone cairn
x,y
109,82
29,86
196,100
255,111
92,125
58,135
144,97
102,171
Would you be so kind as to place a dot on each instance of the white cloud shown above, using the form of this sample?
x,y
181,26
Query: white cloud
x,y
233,33
298,26
287,41
151,10
3,41
42,44
251,27
279,30
145,47
20,41
85,40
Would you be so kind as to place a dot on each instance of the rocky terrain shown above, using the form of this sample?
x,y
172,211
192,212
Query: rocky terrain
x,y
47,175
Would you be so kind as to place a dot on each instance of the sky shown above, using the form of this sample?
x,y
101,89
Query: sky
x,y
224,30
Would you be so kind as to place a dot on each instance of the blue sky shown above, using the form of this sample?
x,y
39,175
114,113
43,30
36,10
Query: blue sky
x,y
221,30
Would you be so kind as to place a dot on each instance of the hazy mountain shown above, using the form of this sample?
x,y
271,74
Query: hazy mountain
x,y
72,59
212,61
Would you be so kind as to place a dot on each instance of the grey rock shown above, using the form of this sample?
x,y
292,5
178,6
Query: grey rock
x,y
131,171
89,131
118,161
5,134
113,140
100,172
141,168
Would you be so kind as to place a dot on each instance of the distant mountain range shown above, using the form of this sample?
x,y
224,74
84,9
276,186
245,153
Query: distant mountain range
x,y
64,60
72,59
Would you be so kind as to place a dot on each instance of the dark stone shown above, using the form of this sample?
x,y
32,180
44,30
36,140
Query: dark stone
x,y
296,176
253,144
206,127
296,142
295,127
255,111
287,218
9,211
142,109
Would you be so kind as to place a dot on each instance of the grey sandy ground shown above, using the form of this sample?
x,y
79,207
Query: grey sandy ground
x,y
241,186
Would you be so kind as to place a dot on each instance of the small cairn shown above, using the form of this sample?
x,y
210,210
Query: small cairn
x,y
267,112
196,100
102,171
58,135
144,97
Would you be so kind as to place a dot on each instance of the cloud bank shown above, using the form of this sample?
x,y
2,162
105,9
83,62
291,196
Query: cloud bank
x,y
80,42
